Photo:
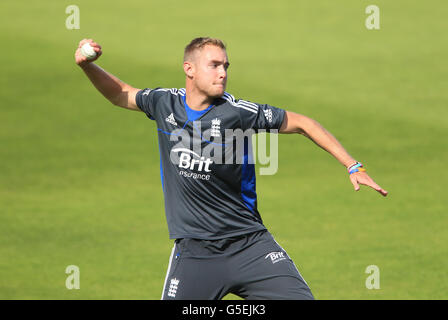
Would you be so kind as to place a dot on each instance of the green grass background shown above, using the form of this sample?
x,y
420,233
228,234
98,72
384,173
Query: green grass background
x,y
79,178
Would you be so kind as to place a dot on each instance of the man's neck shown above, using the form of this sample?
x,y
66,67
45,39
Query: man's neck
x,y
197,100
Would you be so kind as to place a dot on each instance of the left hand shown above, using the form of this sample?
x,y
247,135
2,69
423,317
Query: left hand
x,y
358,178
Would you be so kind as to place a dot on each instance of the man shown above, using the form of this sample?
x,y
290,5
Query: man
x,y
221,245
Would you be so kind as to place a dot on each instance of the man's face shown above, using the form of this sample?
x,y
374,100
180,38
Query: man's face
x,y
209,70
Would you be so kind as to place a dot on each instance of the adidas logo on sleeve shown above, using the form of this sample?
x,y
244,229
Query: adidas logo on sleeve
x,y
170,119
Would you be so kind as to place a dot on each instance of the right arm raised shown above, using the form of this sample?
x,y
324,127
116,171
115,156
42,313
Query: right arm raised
x,y
112,88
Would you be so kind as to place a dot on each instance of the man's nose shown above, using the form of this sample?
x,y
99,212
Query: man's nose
x,y
222,72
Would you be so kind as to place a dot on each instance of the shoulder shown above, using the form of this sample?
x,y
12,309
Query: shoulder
x,y
162,94
240,103
167,91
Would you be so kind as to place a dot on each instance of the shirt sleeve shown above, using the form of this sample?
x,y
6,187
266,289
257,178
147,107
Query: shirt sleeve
x,y
260,116
145,101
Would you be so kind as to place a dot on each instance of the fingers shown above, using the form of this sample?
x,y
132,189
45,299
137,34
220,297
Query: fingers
x,y
98,51
95,45
378,188
373,185
80,59
364,179
90,41
84,41
354,182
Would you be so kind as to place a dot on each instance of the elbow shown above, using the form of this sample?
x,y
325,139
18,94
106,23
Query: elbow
x,y
119,100
307,125
115,102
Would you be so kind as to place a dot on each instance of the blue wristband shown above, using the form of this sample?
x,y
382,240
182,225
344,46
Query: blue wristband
x,y
354,168
356,165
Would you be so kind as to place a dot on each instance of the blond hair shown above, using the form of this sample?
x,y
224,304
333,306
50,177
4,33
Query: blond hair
x,y
199,43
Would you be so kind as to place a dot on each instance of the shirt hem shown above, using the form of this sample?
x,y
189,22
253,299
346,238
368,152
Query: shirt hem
x,y
218,237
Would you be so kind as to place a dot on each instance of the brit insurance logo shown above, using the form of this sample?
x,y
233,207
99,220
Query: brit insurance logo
x,y
276,256
198,150
191,161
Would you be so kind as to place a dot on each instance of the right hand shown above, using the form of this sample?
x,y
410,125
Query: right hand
x,y
80,59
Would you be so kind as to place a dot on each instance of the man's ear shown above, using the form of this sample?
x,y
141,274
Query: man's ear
x,y
189,69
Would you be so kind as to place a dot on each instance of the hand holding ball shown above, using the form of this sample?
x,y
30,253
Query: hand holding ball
x,y
88,52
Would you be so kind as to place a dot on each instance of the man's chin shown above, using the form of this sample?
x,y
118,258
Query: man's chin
x,y
218,92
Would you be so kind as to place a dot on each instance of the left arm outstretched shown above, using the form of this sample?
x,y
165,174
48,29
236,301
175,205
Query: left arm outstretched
x,y
297,123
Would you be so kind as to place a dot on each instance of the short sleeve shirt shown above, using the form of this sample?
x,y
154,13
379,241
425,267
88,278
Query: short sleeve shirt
x,y
208,178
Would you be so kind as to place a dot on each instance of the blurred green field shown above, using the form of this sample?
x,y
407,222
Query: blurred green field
x,y
79,178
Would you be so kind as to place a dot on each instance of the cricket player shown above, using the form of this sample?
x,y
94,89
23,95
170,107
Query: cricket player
x,y
221,245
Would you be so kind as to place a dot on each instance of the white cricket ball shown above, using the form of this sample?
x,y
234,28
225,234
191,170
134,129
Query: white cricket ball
x,y
88,52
